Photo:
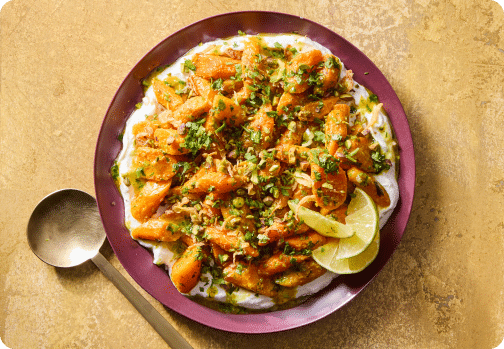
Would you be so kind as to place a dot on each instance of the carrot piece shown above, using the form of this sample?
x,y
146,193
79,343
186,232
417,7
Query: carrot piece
x,y
152,164
330,189
145,127
329,74
210,180
230,86
356,152
186,271
275,232
294,134
230,241
341,212
214,67
247,277
166,95
317,109
259,133
192,109
250,56
307,271
291,153
164,228
288,102
336,127
221,256
310,240
245,224
144,132
202,87
299,70
278,231
225,109
147,201
170,141
278,263
371,186
272,168
187,239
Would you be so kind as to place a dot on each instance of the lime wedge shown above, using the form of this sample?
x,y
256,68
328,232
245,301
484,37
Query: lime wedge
x,y
322,224
364,219
324,256
352,254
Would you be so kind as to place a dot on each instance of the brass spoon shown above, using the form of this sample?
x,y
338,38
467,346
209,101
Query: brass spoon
x,y
65,230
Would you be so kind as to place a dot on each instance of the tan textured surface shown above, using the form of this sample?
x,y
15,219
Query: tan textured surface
x,y
61,62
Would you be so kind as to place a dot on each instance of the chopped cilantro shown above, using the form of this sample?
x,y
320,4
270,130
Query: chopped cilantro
x,y
331,63
221,105
114,171
373,98
196,137
255,136
319,136
217,84
329,163
251,157
379,161
189,65
221,127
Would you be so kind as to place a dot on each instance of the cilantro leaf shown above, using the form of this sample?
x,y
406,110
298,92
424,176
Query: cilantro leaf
x,y
189,65
196,137
380,163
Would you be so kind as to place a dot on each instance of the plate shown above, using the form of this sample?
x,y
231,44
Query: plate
x,y
137,261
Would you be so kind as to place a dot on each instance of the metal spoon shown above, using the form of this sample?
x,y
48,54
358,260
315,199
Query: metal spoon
x,y
65,230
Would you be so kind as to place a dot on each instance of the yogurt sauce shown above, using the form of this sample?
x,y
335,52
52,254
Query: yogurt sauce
x,y
162,254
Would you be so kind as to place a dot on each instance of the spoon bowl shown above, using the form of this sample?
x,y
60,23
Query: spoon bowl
x,y
65,230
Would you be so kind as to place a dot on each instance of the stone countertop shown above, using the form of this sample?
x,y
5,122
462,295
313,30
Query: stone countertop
x,y
61,63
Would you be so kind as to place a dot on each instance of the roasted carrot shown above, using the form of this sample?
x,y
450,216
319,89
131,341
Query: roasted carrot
x,y
279,262
247,276
186,271
309,240
147,201
307,271
214,67
372,187
336,124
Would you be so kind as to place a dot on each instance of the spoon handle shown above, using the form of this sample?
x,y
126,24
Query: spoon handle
x,y
157,321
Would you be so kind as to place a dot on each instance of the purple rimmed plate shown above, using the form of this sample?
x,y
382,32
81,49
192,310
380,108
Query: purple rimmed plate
x,y
137,261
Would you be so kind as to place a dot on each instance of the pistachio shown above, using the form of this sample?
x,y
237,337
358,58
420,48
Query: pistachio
x,y
241,192
292,126
274,167
238,202
268,201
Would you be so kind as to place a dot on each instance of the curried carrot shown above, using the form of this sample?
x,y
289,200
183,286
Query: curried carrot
x,y
336,127
186,271
147,201
367,183
214,67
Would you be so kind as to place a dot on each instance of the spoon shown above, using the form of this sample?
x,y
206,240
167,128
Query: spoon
x,y
65,230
